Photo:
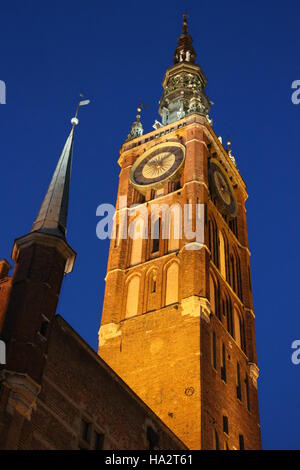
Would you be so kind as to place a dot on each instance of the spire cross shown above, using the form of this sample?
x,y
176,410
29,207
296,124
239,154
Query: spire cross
x,y
185,25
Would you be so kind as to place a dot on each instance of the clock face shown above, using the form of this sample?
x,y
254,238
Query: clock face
x,y
157,165
222,189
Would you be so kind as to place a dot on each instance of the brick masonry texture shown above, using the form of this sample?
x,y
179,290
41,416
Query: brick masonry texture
x,y
78,385
164,352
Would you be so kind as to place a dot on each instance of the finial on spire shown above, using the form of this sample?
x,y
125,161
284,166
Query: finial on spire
x,y
185,51
230,152
185,28
184,83
75,120
136,127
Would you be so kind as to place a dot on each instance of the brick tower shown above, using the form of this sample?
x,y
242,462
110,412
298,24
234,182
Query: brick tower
x,y
42,258
178,321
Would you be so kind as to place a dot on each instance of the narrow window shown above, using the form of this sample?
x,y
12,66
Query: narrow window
x,y
212,294
225,425
44,328
247,392
233,226
172,279
177,185
152,438
139,198
229,317
98,440
132,301
223,363
218,301
117,236
174,186
233,284
238,382
222,255
214,350
153,284
138,235
217,444
241,442
239,278
85,430
174,227
156,236
249,274
243,335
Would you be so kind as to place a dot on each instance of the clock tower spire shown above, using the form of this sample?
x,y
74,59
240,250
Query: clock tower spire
x,y
184,83
178,321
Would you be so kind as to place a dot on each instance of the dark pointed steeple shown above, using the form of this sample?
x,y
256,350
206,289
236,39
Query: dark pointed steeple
x,y
52,217
184,51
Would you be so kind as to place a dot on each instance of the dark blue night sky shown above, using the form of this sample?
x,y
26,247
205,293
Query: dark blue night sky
x,y
116,53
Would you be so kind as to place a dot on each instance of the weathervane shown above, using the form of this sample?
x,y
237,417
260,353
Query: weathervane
x,y
75,120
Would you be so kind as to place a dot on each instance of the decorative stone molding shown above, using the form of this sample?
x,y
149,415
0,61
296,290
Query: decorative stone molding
x,y
23,393
184,93
108,331
254,373
192,246
195,306
205,309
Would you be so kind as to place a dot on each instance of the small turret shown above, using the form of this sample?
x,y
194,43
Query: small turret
x,y
136,127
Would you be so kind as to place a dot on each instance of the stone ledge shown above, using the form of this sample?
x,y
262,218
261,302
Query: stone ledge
x,y
108,331
195,306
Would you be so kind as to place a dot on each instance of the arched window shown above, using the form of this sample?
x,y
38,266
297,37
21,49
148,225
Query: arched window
x,y
174,234
172,276
132,301
239,329
137,235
